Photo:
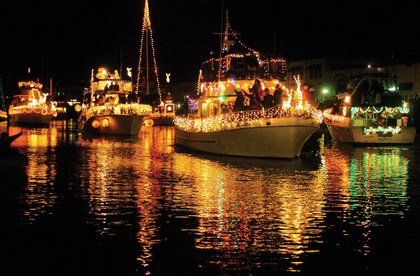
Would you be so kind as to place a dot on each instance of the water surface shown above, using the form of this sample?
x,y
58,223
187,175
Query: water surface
x,y
74,204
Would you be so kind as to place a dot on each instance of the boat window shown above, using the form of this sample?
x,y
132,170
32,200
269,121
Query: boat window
x,y
390,85
361,94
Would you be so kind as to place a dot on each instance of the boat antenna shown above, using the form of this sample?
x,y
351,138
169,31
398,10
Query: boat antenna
x,y
221,43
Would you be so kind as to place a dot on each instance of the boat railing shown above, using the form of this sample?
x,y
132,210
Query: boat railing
x,y
250,118
119,109
371,116
43,108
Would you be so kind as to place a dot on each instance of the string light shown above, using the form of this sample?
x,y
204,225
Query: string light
x,y
147,27
382,130
33,102
244,119
120,109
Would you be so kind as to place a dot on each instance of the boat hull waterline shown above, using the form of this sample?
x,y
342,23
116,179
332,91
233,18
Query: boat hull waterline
x,y
278,138
115,124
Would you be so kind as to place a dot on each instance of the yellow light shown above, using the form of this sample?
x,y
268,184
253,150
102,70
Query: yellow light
x,y
347,99
77,108
95,123
105,122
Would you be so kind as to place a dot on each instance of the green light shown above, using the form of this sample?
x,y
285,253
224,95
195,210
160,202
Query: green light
x,y
222,98
324,91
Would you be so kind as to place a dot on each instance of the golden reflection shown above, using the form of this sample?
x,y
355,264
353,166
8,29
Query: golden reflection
x,y
40,194
245,212
109,182
157,143
128,168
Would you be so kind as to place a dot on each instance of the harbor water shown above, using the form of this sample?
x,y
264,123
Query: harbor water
x,y
79,205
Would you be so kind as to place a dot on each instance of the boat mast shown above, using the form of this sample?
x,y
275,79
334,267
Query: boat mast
x,y
221,45
146,32
147,61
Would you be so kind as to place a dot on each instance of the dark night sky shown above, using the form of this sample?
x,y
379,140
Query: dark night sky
x,y
65,39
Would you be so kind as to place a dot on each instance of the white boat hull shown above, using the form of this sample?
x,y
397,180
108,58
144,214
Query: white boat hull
x,y
30,119
355,135
116,124
274,138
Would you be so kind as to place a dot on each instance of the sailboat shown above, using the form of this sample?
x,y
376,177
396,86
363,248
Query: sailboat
x,y
213,127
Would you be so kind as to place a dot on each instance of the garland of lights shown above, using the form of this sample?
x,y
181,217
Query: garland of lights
x,y
147,26
43,109
381,130
120,109
372,109
242,119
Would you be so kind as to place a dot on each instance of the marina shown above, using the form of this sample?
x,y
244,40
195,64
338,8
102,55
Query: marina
x,y
183,150
75,203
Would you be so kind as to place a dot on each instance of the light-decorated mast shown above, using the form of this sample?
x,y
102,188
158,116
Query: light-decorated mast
x,y
146,35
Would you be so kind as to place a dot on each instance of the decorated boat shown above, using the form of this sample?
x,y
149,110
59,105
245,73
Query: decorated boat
x,y
215,125
164,114
31,107
372,113
111,107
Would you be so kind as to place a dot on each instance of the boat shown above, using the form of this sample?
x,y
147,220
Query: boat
x,y
372,113
31,107
164,114
6,140
111,107
212,126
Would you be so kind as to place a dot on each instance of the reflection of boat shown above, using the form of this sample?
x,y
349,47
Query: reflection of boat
x,y
374,113
278,132
31,107
111,106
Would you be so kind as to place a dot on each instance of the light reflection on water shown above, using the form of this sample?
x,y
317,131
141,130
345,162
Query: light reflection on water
x,y
240,214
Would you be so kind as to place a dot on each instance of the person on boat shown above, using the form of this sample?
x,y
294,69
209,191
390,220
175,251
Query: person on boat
x,y
278,95
224,108
268,100
306,94
240,101
335,104
256,90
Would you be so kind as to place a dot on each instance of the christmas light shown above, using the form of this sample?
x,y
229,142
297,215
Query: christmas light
x,y
381,130
147,29
120,109
245,119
